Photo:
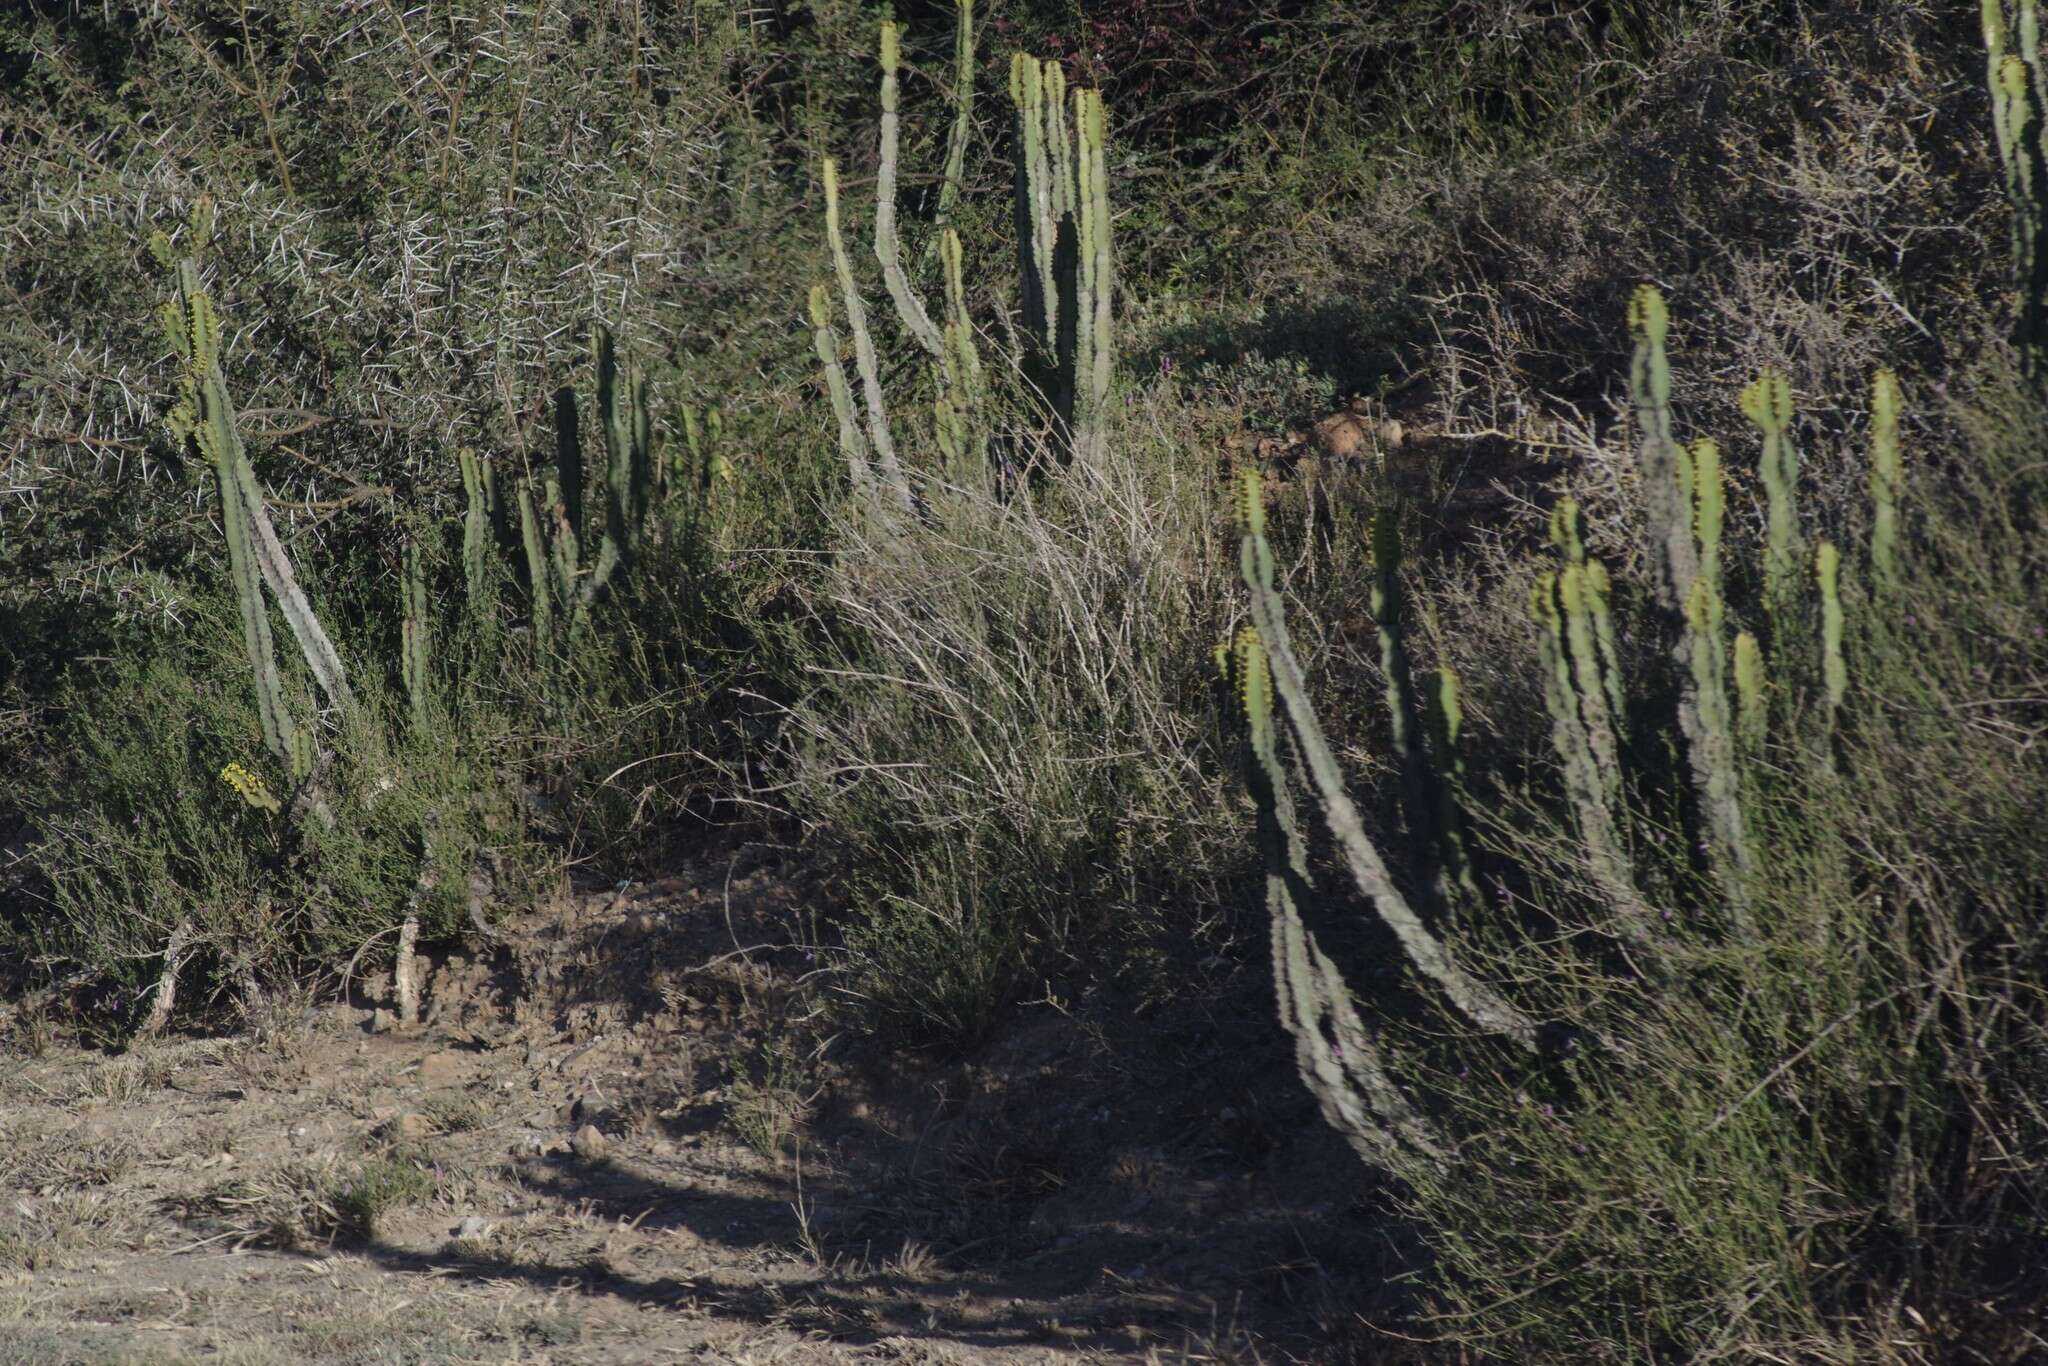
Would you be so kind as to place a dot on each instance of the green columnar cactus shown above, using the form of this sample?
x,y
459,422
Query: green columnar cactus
x,y
1767,402
1577,698
1667,494
1705,717
1032,193
888,246
476,521
1753,718
1424,951
1387,618
565,497
1887,483
852,445
2018,104
1710,510
1065,256
552,536
413,636
962,429
539,569
1336,1055
963,111
304,758
1568,534
1446,720
863,347
1095,337
629,452
1712,745
1834,670
205,416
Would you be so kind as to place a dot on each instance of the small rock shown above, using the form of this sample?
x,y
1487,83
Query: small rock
x,y
588,1143
473,1228
383,1021
663,1148
410,1125
439,1071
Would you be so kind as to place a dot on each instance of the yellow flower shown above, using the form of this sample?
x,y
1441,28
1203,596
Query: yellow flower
x,y
250,788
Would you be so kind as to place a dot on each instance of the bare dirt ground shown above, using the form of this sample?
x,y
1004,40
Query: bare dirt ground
x,y
620,1134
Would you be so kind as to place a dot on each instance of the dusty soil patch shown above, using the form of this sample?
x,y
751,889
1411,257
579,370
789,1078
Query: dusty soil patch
x,y
620,1136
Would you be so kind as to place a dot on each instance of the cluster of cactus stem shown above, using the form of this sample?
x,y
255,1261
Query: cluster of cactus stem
x,y
204,416
1583,690
553,536
1423,949
1067,274
1724,713
2019,120
1064,261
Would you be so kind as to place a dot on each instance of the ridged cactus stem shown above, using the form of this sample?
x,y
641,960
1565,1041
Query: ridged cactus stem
x,y
568,492
1887,484
1753,716
963,111
1445,713
205,416
1666,497
1095,344
475,523
539,572
1591,779
1581,600
1710,510
414,647
1336,1055
220,439
1033,196
1427,954
2019,100
962,431
1834,669
863,347
1767,402
1711,746
628,426
852,445
888,246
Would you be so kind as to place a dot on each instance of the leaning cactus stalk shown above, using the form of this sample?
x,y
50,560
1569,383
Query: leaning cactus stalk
x,y
863,347
888,247
1336,1055
205,416
1423,950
